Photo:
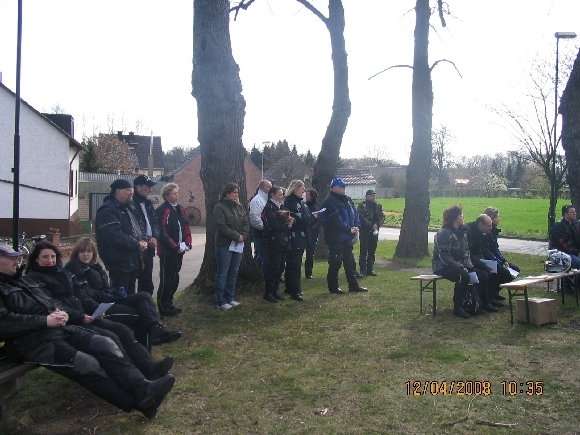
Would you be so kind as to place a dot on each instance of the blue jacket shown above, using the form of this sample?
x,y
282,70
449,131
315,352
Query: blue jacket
x,y
338,218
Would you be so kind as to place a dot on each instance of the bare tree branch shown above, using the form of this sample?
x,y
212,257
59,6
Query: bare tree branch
x,y
440,4
313,9
243,4
437,62
389,68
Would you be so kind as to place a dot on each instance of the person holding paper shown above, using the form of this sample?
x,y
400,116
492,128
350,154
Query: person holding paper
x,y
451,259
507,271
371,219
175,241
478,234
45,267
276,237
38,330
341,229
312,231
137,311
232,226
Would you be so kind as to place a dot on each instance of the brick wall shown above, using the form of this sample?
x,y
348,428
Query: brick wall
x,y
189,181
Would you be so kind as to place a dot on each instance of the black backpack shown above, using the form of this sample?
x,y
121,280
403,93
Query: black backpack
x,y
472,301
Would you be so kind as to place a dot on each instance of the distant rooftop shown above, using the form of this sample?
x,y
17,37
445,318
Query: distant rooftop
x,y
354,176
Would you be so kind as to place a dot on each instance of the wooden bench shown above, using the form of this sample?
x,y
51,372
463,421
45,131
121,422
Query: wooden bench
x,y
11,374
427,283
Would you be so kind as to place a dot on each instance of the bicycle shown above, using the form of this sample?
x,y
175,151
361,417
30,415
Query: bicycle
x,y
25,244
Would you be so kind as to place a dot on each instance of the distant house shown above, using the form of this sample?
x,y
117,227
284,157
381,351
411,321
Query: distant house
x,y
139,147
49,166
191,194
358,181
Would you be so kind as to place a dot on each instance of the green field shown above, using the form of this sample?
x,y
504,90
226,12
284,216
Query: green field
x,y
271,369
523,218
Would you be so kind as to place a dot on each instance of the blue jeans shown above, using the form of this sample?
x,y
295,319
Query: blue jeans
x,y
227,266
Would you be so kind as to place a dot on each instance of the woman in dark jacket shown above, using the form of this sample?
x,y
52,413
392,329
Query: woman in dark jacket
x,y
276,236
175,241
137,311
45,267
294,202
312,231
451,260
232,231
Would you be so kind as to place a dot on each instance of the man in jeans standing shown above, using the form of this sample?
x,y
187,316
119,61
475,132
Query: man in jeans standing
x,y
149,226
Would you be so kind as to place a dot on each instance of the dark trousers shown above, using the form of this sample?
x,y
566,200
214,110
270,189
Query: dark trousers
x,y
273,260
338,254
123,279
461,279
259,247
368,247
293,272
501,277
138,312
169,268
98,363
145,277
312,243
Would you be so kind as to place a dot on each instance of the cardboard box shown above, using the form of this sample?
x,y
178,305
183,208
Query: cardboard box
x,y
543,311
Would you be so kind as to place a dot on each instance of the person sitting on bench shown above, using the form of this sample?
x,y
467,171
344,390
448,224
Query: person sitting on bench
x,y
451,259
137,311
478,235
564,235
45,266
504,275
38,329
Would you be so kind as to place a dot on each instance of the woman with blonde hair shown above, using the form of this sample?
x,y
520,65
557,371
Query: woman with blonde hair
x,y
137,311
294,202
175,241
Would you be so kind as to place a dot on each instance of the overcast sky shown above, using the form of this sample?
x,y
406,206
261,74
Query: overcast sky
x,y
127,65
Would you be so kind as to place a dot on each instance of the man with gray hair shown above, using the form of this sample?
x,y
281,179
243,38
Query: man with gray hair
x,y
257,205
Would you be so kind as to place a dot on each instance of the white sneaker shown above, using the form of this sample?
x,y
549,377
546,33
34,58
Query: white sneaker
x,y
234,304
225,307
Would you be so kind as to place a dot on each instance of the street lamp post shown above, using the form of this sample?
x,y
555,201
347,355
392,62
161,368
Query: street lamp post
x,y
558,36
16,168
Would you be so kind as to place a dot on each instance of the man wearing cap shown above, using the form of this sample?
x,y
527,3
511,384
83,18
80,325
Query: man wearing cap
x,y
120,240
149,227
341,227
371,218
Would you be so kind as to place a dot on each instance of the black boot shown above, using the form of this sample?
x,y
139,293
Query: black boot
x,y
154,395
460,312
161,335
268,297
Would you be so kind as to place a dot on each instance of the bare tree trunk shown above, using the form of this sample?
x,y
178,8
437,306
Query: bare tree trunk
x,y
327,161
570,110
413,241
220,112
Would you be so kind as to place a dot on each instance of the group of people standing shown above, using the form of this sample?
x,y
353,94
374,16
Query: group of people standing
x,y
469,255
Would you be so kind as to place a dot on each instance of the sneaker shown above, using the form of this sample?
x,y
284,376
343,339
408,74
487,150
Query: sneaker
x,y
225,307
235,304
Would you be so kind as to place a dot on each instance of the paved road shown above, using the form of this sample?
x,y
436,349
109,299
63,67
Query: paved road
x,y
508,245
193,259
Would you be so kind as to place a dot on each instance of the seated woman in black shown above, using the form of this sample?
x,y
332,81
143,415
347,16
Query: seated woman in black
x,y
276,234
45,267
38,329
137,311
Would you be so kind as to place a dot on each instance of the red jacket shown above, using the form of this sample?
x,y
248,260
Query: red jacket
x,y
170,219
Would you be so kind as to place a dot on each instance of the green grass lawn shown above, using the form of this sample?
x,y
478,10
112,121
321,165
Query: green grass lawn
x,y
268,369
525,218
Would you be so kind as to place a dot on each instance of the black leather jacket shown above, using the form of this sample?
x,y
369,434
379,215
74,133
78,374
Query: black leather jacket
x,y
302,217
151,215
451,249
276,233
117,239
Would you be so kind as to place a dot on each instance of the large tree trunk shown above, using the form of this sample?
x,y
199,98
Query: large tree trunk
x,y
220,113
327,161
570,110
413,241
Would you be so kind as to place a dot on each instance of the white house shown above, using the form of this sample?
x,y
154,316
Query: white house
x,y
358,181
49,166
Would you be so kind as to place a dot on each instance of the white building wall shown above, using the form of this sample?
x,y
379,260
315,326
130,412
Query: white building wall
x,y
44,163
358,191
